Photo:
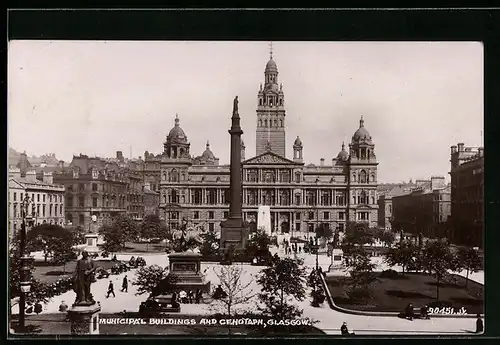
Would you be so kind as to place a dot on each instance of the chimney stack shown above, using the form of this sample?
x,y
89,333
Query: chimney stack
x,y
461,147
48,178
119,156
31,176
453,149
322,161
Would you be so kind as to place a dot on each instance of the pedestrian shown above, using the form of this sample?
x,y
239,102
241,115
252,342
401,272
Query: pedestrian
x,y
198,296
409,312
38,307
190,296
125,284
479,324
344,330
111,289
183,296
300,250
424,312
63,307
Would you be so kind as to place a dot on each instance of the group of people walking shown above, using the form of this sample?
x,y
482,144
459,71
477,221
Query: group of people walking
x,y
111,287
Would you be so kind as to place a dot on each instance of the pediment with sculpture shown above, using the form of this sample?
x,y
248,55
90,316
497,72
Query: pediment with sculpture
x,y
270,158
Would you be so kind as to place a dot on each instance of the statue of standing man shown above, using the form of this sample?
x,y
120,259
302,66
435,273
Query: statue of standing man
x,y
235,105
83,278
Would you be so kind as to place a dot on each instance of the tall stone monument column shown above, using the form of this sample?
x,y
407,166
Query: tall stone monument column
x,y
234,230
84,314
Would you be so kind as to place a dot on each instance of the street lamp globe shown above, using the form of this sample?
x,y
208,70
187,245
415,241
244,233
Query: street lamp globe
x,y
25,286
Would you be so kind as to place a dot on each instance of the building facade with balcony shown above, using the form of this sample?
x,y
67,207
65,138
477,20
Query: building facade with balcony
x,y
425,209
467,195
47,199
301,196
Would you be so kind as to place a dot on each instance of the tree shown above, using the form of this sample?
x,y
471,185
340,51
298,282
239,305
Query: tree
x,y
153,278
358,234
358,262
237,291
281,282
386,237
468,259
62,251
50,238
116,234
437,259
78,235
324,231
152,227
209,243
258,244
403,254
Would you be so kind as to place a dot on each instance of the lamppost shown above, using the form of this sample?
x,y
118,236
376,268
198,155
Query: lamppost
x,y
25,283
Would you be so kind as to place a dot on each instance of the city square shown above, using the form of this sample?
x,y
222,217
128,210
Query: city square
x,y
258,235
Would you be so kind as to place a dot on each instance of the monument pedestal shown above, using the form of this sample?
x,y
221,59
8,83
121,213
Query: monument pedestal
x,y
336,265
91,243
84,319
234,232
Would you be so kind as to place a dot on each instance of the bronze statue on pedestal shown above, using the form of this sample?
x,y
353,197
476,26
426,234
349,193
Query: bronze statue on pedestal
x,y
83,278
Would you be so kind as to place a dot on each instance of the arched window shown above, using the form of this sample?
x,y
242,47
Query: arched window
x,y
281,101
165,177
260,123
174,197
174,176
354,199
276,123
373,200
281,123
297,177
354,176
362,177
260,101
372,178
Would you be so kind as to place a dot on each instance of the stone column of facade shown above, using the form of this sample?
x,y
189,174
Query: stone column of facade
x,y
233,230
84,319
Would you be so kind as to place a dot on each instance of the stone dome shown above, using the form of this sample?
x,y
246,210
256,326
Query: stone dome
x,y
361,133
208,154
176,134
343,155
271,66
297,142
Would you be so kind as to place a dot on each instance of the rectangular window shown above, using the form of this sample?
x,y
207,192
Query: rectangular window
x,y
211,226
210,215
50,210
81,219
81,186
44,198
15,195
43,210
226,214
94,187
81,201
297,215
196,215
94,202
326,215
297,200
311,215
297,226
341,215
341,226
38,197
37,210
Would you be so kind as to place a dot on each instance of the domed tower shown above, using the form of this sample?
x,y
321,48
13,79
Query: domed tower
x,y
362,177
271,112
208,157
342,157
176,146
174,166
297,150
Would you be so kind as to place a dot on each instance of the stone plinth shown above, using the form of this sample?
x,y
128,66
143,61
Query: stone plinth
x,y
336,265
186,266
234,232
84,319
91,243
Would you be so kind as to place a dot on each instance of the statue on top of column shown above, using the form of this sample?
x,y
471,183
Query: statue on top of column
x,y
235,105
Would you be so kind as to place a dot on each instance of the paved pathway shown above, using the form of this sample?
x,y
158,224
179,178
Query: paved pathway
x,y
329,320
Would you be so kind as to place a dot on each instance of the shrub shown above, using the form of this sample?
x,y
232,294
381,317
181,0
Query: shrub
x,y
391,274
440,304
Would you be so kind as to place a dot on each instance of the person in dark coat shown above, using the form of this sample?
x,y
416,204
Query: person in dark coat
x,y
198,296
125,284
63,307
344,330
111,289
409,312
479,324
424,312
190,296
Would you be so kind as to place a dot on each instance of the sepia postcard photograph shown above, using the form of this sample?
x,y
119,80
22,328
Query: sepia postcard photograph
x,y
256,188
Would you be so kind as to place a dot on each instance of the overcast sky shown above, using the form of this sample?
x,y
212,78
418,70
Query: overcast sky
x,y
417,98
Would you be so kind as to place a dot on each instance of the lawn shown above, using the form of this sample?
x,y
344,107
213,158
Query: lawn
x,y
394,294
49,273
144,247
51,324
